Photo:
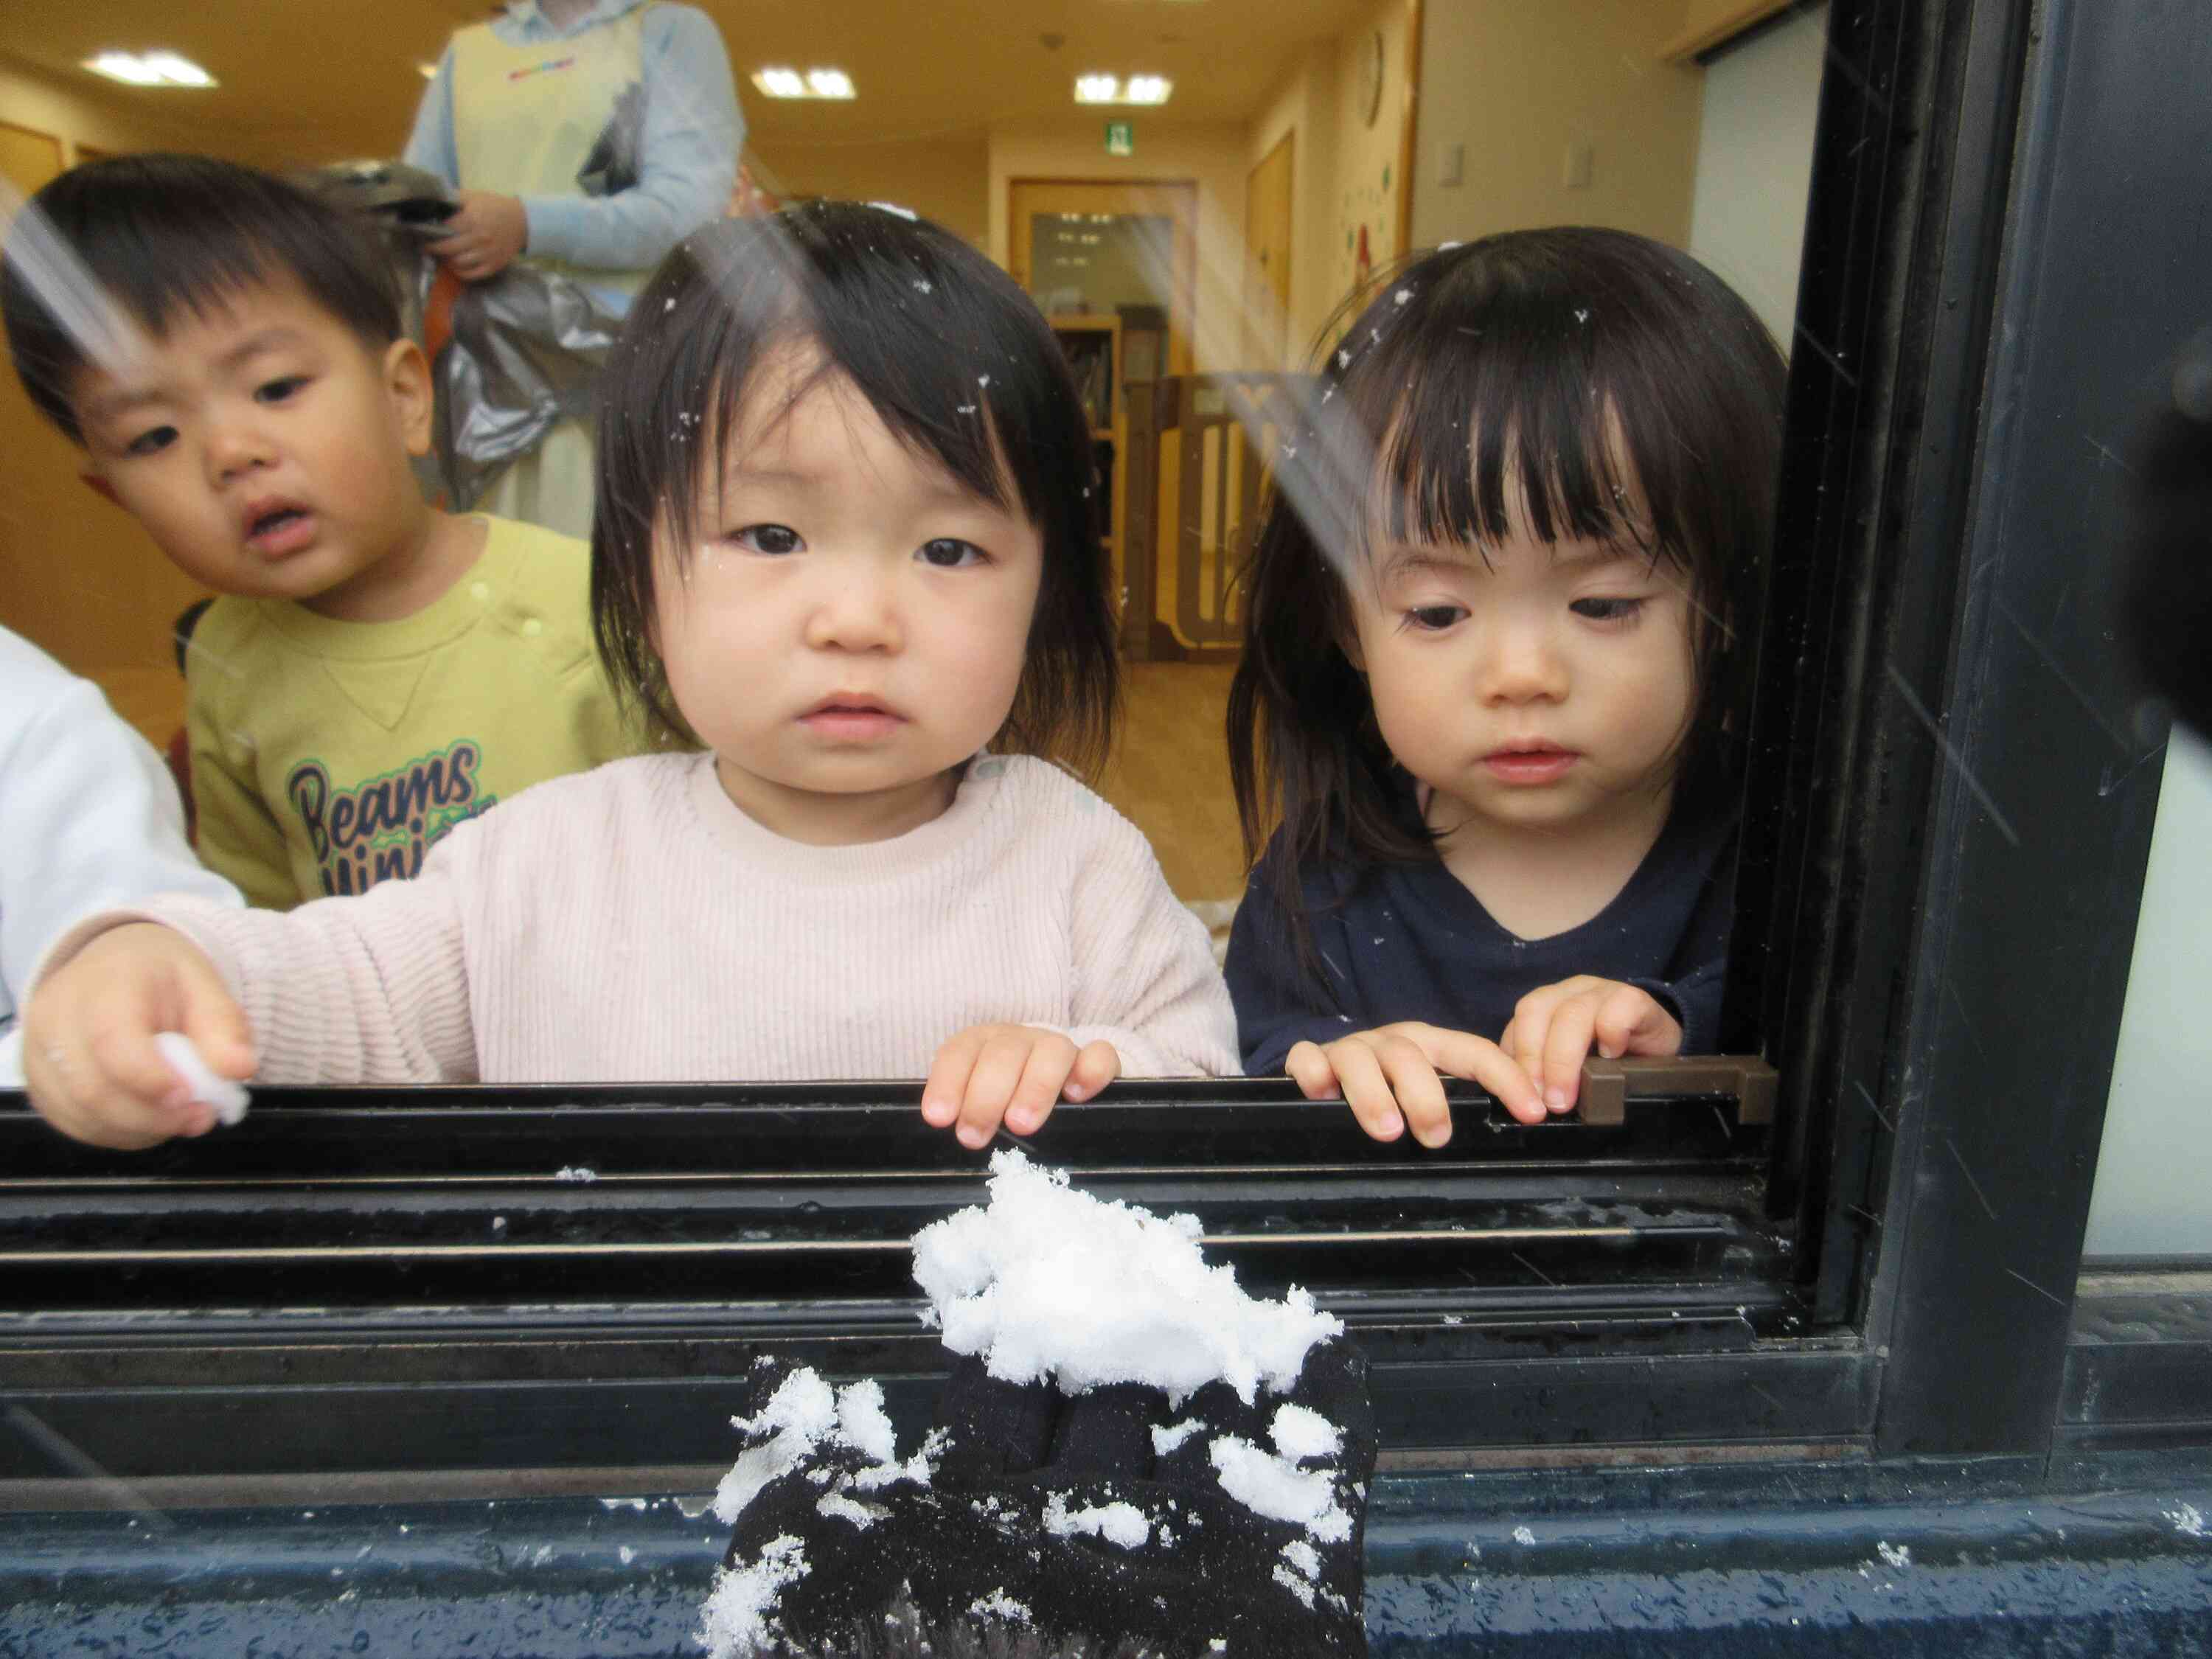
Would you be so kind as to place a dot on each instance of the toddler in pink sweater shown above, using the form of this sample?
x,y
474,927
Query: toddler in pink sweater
x,y
844,558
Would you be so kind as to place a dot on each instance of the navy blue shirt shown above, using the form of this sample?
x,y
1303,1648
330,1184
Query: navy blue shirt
x,y
1410,942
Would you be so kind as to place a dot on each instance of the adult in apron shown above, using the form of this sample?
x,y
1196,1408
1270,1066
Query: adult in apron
x,y
589,136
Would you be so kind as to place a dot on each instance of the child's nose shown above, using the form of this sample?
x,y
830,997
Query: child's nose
x,y
236,447
1523,663
853,612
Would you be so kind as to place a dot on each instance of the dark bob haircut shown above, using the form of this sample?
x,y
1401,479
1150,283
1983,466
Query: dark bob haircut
x,y
1556,377
161,235
953,358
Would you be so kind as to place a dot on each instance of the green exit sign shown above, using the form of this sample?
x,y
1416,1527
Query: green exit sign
x,y
1120,138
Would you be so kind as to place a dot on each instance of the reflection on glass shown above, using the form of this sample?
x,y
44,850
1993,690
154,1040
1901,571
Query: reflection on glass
x,y
1096,263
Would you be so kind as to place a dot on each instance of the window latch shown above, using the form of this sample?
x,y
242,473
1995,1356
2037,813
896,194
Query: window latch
x,y
1610,1086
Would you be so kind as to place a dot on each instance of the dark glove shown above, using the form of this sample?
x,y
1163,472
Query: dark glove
x,y
1108,1516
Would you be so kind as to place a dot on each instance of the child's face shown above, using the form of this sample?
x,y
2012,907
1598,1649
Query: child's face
x,y
1547,688
853,621
264,446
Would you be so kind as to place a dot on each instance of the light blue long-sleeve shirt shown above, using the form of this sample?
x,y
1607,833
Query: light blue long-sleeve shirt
x,y
694,131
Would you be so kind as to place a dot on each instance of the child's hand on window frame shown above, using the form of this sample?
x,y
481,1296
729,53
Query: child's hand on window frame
x,y
1388,1077
1555,1027
1014,1073
89,1057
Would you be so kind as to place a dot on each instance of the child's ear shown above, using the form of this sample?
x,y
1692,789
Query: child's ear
x,y
407,382
100,486
1347,640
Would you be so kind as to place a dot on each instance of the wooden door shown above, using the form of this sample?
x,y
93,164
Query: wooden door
x,y
1267,197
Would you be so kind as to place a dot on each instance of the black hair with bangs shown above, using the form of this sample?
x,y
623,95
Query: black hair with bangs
x,y
165,235
1596,385
953,358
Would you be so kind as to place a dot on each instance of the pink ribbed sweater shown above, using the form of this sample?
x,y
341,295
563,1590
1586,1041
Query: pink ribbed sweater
x,y
629,924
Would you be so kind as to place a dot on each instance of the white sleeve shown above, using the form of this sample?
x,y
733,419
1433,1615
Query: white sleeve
x,y
89,818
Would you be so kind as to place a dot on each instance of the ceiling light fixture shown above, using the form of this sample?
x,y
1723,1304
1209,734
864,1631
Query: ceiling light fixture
x,y
782,82
149,69
428,71
1096,88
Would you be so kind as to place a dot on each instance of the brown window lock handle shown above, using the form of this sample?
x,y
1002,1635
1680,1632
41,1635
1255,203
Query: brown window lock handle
x,y
1609,1085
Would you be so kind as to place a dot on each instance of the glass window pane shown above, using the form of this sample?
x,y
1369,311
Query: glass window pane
x,y
1098,262
2150,1196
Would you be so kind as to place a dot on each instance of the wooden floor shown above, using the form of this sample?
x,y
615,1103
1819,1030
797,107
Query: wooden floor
x,y
1169,775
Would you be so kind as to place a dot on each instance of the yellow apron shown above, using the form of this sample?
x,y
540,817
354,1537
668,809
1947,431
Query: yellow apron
x,y
525,120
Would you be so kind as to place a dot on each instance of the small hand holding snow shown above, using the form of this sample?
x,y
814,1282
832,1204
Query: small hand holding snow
x,y
1388,1077
91,1054
1555,1027
1016,1074
229,1098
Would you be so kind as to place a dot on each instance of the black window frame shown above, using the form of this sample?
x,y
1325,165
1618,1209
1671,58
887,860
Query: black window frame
x,y
1887,1308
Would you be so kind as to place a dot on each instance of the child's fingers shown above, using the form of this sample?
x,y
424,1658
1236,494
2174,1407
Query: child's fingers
x,y
211,1017
1462,1053
1566,1045
1631,1021
1308,1065
1413,1081
1097,1065
1523,1039
1044,1075
75,1094
1366,1090
119,1036
946,1085
991,1085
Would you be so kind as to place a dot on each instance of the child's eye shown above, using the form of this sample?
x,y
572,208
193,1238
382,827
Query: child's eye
x,y
1434,618
949,553
277,391
151,441
770,539
1607,609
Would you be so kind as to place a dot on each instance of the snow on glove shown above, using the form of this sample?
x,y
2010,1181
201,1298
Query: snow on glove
x,y
1217,1527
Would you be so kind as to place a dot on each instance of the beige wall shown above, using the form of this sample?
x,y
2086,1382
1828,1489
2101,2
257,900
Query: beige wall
x,y
947,179
31,99
1518,81
1370,180
1209,155
128,119
1346,174
78,576
1303,106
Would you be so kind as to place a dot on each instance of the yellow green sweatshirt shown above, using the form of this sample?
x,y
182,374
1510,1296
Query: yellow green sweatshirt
x,y
329,756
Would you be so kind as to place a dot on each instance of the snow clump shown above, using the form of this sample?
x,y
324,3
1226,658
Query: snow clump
x,y
1049,1283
